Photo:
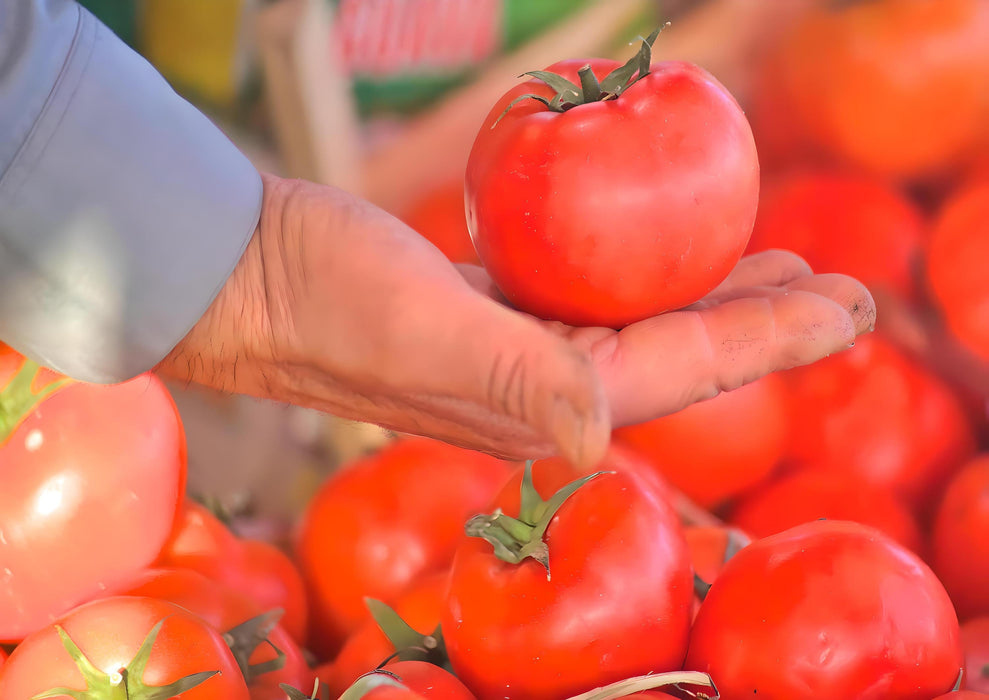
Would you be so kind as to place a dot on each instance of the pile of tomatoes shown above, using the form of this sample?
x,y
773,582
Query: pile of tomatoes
x,y
818,533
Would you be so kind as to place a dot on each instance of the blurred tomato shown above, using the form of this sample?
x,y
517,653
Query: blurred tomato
x,y
260,570
956,265
801,497
975,643
879,416
716,449
384,521
420,606
224,609
828,609
439,215
895,86
960,540
844,222
91,478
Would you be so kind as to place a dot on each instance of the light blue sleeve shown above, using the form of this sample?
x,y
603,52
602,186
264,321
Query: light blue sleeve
x,y
123,209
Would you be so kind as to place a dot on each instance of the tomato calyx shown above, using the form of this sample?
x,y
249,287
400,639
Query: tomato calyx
x,y
245,638
691,684
360,688
409,644
516,539
126,683
19,397
569,95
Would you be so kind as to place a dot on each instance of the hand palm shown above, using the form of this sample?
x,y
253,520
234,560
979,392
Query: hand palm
x,y
339,307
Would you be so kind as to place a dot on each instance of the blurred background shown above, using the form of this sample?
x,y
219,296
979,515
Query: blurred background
x,y
872,121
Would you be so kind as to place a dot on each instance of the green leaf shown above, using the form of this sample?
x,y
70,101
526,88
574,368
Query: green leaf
x,y
538,98
557,82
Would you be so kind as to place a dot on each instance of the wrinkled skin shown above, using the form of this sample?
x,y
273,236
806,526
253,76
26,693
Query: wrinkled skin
x,y
337,306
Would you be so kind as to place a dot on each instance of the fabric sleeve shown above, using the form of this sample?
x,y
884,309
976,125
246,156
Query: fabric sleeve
x,y
123,209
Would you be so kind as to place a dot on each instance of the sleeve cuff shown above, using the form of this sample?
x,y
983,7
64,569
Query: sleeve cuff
x,y
121,217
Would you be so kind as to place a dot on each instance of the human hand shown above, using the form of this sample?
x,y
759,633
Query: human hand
x,y
338,306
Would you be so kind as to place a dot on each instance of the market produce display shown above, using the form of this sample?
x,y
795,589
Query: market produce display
x,y
821,533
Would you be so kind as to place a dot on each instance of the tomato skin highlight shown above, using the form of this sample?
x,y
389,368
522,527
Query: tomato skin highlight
x,y
92,479
110,631
618,602
751,426
828,609
960,546
614,211
382,522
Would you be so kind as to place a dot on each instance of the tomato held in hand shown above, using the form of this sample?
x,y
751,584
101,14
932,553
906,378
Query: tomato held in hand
x,y
715,449
140,643
91,478
572,599
878,415
804,496
829,609
960,543
956,265
604,208
257,569
384,521
844,222
895,86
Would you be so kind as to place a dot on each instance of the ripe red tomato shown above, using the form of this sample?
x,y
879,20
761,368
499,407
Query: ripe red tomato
x,y
810,495
956,271
878,415
91,480
439,216
420,606
829,609
110,632
960,546
615,602
258,569
975,643
750,425
844,222
383,522
895,86
613,211
224,609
